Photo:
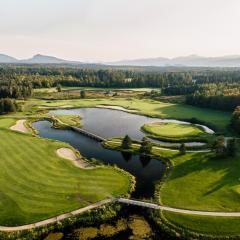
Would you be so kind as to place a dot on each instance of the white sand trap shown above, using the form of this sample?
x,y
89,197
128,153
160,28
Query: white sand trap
x,y
117,108
20,127
69,154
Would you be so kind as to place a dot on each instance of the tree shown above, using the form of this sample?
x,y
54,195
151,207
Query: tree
x,y
8,105
146,146
231,147
219,146
182,149
82,94
126,142
59,88
235,120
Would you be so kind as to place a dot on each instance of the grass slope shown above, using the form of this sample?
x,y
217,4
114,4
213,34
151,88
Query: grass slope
x,y
200,182
35,184
217,226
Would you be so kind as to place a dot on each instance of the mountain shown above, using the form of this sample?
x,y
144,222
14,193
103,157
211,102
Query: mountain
x,y
42,59
7,59
186,61
160,61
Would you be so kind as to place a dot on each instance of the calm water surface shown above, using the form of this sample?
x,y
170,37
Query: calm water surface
x,y
146,171
109,123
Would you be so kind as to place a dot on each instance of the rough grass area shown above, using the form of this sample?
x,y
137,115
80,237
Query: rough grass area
x,y
216,226
72,120
171,130
145,106
36,184
200,181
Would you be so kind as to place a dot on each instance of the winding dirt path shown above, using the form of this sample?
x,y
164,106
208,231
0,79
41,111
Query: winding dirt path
x,y
19,126
120,200
55,219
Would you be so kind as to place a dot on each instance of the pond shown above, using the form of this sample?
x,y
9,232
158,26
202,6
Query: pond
x,y
109,123
146,170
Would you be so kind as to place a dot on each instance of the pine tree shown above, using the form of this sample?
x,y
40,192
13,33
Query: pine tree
x,y
126,142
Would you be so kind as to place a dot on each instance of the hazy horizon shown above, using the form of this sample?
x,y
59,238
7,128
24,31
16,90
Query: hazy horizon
x,y
91,30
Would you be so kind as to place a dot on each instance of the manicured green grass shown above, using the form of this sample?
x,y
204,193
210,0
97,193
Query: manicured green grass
x,y
146,107
116,143
72,120
171,130
36,184
216,226
197,181
200,182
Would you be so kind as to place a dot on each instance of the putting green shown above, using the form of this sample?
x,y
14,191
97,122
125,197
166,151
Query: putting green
x,y
36,184
171,130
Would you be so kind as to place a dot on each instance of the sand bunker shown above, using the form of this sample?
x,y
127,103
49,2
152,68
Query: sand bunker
x,y
20,127
69,154
117,108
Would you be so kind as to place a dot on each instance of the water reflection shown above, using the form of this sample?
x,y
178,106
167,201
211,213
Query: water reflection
x,y
146,171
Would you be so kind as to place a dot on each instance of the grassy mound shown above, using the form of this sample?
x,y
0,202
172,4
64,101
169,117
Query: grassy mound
x,y
36,184
172,130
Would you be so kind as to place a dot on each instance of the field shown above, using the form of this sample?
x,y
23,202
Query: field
x,y
200,181
216,226
145,106
36,184
171,130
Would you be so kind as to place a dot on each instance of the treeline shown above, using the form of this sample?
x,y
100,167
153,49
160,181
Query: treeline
x,y
177,82
14,86
18,82
235,121
8,105
225,103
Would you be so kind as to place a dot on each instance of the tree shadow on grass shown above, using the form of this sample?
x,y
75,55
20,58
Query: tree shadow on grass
x,y
229,167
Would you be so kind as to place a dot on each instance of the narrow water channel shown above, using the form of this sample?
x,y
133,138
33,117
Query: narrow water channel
x,y
146,170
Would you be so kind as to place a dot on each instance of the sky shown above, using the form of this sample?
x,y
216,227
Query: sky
x,y
109,30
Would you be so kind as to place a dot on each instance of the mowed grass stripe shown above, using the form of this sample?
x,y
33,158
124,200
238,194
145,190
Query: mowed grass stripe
x,y
36,184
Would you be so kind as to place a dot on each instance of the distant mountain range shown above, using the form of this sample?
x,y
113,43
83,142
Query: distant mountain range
x,y
36,59
187,61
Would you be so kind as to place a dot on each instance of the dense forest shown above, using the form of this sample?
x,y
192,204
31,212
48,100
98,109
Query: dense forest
x,y
213,88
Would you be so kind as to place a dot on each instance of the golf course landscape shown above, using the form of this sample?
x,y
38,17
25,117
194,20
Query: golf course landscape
x,y
37,184
119,120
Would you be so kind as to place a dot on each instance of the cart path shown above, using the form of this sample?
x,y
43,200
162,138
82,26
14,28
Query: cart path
x,y
119,200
